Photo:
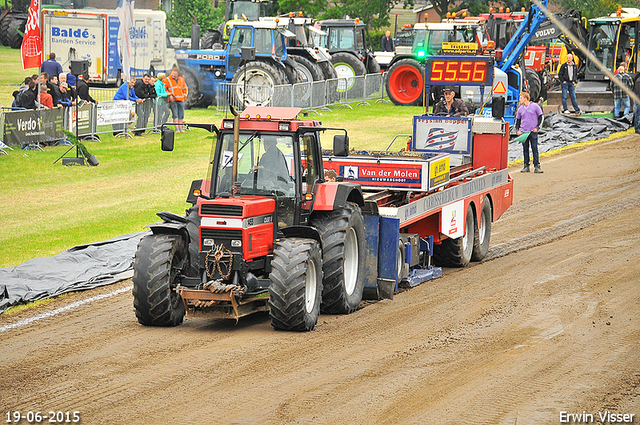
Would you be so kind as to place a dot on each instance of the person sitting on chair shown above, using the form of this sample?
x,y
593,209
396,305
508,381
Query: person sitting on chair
x,y
450,106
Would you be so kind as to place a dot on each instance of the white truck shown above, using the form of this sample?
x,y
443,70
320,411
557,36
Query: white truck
x,y
93,35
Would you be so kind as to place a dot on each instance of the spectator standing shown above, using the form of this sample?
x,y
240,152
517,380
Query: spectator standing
x,y
568,76
450,106
529,119
62,78
146,92
17,95
620,97
162,103
27,98
125,92
176,94
46,100
71,79
66,95
51,88
55,89
83,88
51,66
387,42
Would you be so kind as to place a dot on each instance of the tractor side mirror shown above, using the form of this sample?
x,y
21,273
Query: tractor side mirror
x,y
167,139
341,145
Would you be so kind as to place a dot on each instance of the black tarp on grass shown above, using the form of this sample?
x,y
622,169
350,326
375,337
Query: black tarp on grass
x,y
78,268
560,130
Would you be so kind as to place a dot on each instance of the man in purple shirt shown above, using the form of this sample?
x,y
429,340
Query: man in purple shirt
x,y
529,119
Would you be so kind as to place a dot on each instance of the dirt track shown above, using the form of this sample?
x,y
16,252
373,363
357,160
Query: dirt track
x,y
548,324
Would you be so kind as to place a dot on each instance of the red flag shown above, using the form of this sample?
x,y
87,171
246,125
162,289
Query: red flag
x,y
32,41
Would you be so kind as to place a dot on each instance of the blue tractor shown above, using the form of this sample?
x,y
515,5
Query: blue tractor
x,y
264,66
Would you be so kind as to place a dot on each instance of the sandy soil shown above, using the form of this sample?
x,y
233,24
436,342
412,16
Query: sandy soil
x,y
545,325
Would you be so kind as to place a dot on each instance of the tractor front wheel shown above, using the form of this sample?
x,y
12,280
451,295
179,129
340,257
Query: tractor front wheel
x,y
261,79
295,292
156,267
343,247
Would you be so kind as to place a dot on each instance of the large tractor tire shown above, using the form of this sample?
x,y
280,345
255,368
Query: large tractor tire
x,y
343,249
195,98
4,29
156,267
295,293
349,67
457,252
533,82
193,228
482,234
15,32
405,82
209,39
373,67
308,71
331,77
261,77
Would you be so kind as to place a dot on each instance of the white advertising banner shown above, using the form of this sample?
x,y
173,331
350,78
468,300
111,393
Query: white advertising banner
x,y
115,112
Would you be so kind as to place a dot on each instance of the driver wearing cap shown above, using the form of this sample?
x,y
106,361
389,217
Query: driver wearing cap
x,y
450,106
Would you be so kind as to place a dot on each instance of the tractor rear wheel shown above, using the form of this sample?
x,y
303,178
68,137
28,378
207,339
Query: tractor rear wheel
x,y
194,98
457,252
295,292
14,32
331,77
405,83
156,267
482,234
4,28
343,247
308,71
350,72
262,78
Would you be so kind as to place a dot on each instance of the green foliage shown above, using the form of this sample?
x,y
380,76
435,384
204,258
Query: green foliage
x,y
179,21
593,8
312,8
374,13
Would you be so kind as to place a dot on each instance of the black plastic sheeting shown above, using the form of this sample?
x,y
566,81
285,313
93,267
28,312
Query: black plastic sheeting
x,y
78,268
560,130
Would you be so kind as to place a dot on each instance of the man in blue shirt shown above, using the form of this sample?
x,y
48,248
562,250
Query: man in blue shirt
x,y
121,94
51,66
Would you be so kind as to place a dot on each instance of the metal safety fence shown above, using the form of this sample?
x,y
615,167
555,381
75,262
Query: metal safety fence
x,y
33,128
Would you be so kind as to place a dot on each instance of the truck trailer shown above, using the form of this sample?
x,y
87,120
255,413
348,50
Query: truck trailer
x,y
267,231
92,35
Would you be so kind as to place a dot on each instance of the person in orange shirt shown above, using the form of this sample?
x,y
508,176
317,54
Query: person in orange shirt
x,y
45,98
176,95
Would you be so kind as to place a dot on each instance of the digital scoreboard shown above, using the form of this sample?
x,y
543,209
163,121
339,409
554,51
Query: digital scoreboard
x,y
459,70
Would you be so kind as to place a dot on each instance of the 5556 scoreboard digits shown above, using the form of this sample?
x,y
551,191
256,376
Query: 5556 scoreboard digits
x,y
459,70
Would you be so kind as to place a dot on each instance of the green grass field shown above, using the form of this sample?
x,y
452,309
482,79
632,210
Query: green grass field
x,y
46,208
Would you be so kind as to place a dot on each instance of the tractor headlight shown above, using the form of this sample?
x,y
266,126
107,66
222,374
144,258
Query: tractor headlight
x,y
236,243
207,242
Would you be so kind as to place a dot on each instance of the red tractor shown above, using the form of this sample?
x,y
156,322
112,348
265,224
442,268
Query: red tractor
x,y
265,232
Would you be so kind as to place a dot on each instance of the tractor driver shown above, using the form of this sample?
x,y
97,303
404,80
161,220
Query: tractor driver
x,y
449,106
273,164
